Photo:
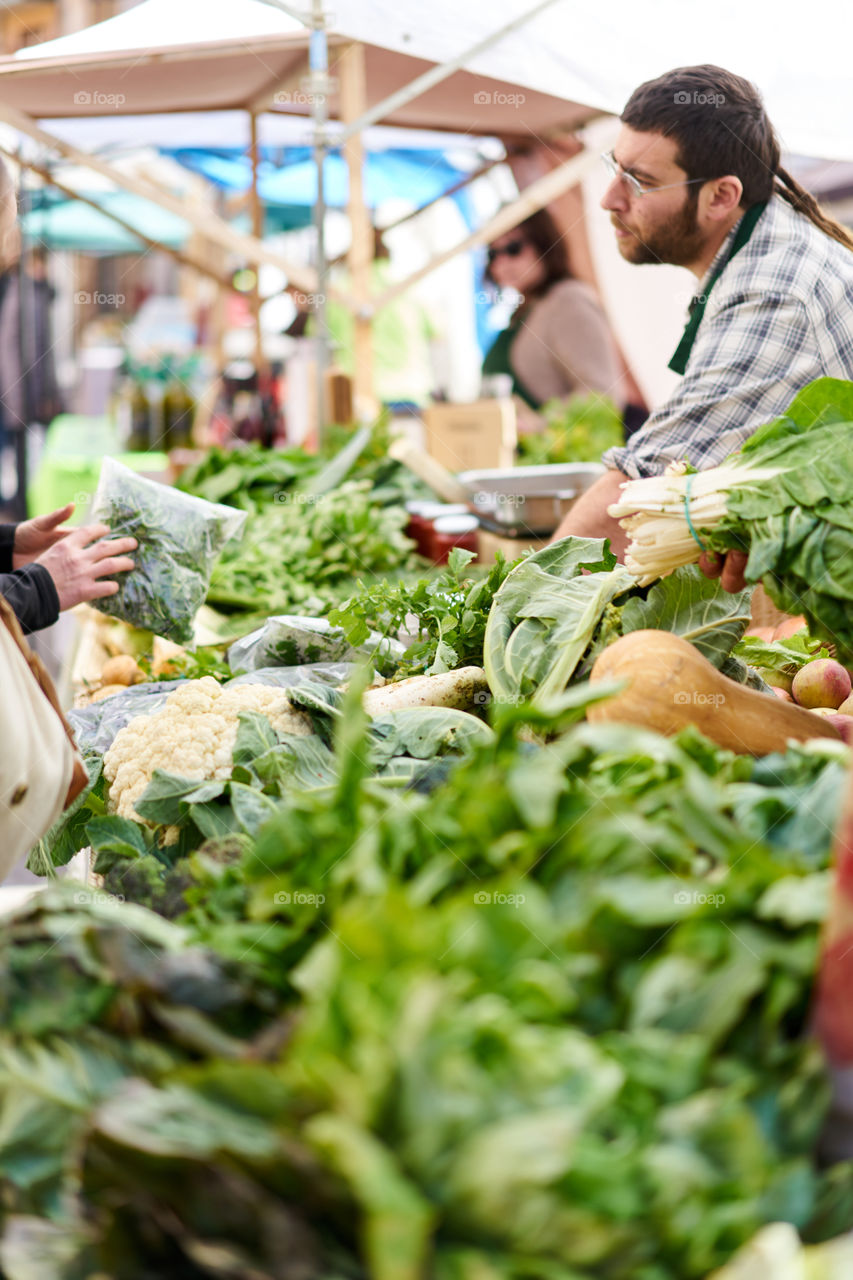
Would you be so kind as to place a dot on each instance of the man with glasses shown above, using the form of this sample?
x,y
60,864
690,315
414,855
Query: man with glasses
x,y
696,181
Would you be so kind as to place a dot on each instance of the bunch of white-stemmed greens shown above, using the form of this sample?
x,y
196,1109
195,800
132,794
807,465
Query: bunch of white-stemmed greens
x,y
786,499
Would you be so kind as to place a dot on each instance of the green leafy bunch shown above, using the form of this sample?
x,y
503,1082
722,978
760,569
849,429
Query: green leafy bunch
x,y
450,611
302,555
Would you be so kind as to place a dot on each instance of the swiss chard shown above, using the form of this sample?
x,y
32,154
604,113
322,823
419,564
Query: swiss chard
x,y
784,499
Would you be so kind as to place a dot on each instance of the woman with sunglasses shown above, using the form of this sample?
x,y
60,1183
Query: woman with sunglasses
x,y
558,342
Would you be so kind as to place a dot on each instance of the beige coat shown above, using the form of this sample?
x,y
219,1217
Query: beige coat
x,y
40,770
564,346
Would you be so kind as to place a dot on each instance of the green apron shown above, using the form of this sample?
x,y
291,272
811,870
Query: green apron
x,y
678,363
497,360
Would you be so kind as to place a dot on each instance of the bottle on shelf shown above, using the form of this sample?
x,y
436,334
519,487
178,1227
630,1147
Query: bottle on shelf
x,y
139,434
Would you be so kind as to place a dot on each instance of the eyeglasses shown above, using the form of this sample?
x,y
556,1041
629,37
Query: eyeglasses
x,y
615,170
513,249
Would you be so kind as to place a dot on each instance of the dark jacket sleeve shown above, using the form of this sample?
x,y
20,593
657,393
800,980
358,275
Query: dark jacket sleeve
x,y
32,594
7,542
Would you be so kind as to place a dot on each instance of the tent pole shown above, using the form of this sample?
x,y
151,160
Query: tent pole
x,y
536,196
211,226
353,97
185,259
435,75
258,233
319,84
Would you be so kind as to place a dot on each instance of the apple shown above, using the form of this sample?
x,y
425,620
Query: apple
x,y
822,683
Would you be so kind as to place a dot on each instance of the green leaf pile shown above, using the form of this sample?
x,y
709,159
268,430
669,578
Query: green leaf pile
x,y
541,1012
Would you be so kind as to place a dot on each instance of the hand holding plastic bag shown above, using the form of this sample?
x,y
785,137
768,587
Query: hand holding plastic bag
x,y
179,539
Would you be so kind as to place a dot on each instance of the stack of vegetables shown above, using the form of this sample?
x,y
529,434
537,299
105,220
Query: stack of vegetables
x,y
427,979
541,1012
312,528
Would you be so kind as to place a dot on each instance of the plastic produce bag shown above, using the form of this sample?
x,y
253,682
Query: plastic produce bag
x,y
290,640
96,726
179,536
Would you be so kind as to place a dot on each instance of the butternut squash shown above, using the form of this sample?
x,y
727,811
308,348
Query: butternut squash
x,y
670,685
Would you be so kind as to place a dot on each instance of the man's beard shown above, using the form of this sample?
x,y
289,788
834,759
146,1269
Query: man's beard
x,y
677,241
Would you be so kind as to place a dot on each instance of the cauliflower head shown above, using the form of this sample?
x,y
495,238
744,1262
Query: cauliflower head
x,y
192,736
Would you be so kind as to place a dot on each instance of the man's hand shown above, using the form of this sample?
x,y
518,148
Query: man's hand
x,y
81,565
728,569
34,537
588,518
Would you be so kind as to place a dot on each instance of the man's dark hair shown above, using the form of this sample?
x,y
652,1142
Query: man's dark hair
x,y
720,126
541,231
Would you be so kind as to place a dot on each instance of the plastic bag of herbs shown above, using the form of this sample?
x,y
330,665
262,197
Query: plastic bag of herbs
x,y
180,538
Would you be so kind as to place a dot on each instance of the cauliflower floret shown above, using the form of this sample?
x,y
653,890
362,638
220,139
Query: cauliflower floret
x,y
192,736
271,702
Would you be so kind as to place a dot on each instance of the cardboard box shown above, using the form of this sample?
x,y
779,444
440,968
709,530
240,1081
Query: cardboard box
x,y
465,437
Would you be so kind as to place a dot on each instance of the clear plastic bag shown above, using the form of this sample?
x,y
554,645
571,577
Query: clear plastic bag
x,y
289,640
96,726
179,536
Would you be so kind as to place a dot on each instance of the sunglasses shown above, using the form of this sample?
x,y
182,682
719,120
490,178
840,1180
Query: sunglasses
x,y
513,249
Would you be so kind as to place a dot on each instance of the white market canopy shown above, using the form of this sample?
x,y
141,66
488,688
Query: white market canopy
x,y
573,59
201,55
559,69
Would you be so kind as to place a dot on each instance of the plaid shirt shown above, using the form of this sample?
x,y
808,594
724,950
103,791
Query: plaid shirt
x,y
780,315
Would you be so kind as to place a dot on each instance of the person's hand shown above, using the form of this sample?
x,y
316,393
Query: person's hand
x,y
728,569
34,537
81,565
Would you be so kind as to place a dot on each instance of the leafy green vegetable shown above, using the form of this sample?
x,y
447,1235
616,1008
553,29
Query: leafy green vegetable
x,y
544,1018
784,499
684,604
254,478
251,478
450,610
577,430
68,834
784,656
544,616
301,556
179,540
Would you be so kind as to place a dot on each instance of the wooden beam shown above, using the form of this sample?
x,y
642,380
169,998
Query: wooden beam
x,y
282,92
532,198
353,101
258,233
213,228
185,259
